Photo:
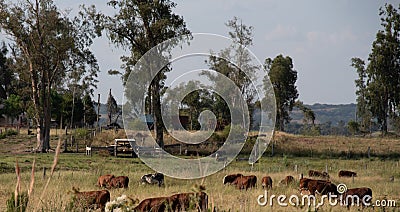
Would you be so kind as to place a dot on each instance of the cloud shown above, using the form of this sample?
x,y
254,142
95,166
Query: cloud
x,y
342,36
281,32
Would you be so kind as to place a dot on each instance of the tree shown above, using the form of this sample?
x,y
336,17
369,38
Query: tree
x,y
363,113
112,108
47,48
231,62
90,115
309,115
353,127
12,107
382,93
6,74
283,78
139,26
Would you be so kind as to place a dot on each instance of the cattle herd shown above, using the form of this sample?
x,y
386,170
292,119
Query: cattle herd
x,y
317,183
307,186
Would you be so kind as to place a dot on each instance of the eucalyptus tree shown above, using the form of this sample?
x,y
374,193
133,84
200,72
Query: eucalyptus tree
x,y
378,84
48,48
283,78
234,62
138,26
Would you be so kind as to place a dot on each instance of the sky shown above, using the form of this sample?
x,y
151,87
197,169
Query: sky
x,y
321,37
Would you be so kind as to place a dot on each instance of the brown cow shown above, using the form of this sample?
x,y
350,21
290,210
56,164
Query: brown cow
x,y
317,186
154,204
176,202
314,173
344,173
266,182
119,182
357,196
245,182
229,179
104,180
91,199
190,201
287,180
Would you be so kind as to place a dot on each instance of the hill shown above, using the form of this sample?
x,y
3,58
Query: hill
x,y
325,113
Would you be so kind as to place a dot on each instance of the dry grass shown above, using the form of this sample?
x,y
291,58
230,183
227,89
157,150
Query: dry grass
x,y
57,196
52,193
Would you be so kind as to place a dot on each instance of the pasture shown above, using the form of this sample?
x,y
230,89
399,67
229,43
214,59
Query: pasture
x,y
80,171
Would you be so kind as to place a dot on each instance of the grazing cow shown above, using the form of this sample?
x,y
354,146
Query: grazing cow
x,y
245,182
154,204
266,182
119,182
357,196
344,173
313,173
156,178
229,179
287,180
317,186
189,201
176,202
104,180
91,199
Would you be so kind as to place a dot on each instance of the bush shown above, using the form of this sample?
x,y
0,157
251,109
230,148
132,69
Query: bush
x,y
7,133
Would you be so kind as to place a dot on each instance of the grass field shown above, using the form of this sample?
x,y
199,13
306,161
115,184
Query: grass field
x,y
80,171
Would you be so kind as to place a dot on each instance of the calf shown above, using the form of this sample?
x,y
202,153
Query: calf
x,y
104,180
266,182
156,178
91,199
344,173
313,173
357,196
229,179
287,180
119,182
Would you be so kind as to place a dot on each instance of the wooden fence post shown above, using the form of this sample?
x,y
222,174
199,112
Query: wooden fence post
x,y
44,172
65,145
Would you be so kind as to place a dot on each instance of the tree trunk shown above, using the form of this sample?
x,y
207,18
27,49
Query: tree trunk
x,y
158,124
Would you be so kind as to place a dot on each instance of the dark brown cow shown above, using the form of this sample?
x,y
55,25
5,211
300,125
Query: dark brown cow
x,y
317,186
229,179
314,173
119,182
287,180
266,182
357,196
176,202
245,182
344,173
104,180
91,199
